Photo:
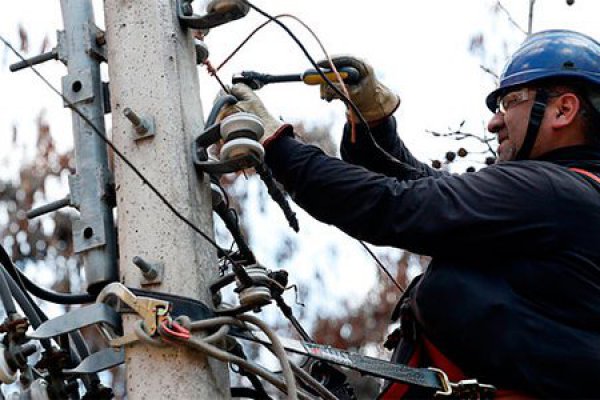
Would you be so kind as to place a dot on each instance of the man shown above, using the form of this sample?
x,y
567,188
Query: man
x,y
512,295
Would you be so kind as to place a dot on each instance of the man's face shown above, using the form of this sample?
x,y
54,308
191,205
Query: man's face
x,y
510,122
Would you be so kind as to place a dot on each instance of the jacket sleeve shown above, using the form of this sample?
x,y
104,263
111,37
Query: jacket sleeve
x,y
363,152
500,208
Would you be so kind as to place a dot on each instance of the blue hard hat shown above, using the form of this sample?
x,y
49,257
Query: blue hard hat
x,y
562,55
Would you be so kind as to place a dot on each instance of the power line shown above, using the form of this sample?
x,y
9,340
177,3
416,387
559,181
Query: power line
x,y
106,140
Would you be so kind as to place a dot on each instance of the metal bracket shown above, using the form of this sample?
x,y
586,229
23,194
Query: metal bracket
x,y
74,190
77,87
200,155
98,362
61,49
95,46
93,314
219,12
89,233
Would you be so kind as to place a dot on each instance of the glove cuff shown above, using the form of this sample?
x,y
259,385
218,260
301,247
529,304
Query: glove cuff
x,y
283,130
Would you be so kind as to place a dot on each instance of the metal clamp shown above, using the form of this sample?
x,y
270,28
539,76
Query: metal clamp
x,y
219,12
152,311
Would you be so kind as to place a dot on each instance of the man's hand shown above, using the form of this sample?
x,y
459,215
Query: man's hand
x,y
374,100
249,102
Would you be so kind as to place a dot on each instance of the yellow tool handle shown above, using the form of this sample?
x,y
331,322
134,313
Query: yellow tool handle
x,y
348,74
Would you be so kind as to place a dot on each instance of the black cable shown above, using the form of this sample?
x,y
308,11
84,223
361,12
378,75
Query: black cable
x,y
55,297
27,285
382,267
109,143
34,314
238,268
7,299
248,393
403,168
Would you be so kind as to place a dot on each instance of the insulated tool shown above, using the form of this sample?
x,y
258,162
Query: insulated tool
x,y
256,80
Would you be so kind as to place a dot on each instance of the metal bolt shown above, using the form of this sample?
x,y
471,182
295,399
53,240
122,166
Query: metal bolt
x,y
100,38
147,269
140,126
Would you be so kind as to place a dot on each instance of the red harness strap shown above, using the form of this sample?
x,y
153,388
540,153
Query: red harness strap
x,y
586,173
439,360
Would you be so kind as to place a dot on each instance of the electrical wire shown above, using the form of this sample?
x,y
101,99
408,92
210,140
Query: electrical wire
x,y
343,96
385,270
403,168
18,282
109,143
319,42
287,386
7,299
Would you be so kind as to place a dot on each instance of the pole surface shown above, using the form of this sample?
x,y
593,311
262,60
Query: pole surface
x,y
153,73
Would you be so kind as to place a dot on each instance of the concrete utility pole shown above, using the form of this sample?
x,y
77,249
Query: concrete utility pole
x,y
153,73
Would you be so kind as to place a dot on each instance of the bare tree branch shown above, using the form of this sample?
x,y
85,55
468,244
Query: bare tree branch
x,y
489,71
530,22
510,18
459,135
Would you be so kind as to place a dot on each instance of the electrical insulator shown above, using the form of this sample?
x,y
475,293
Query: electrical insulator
x,y
259,293
241,132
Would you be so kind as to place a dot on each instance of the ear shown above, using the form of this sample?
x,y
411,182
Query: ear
x,y
563,110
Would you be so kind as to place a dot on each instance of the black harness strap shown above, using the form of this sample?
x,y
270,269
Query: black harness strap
x,y
535,120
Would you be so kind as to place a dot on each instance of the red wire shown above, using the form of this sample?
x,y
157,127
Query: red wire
x,y
177,330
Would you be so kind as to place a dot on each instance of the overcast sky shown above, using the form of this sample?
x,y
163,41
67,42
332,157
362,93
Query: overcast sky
x,y
419,48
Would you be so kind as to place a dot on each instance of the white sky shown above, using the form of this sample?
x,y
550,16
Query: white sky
x,y
418,48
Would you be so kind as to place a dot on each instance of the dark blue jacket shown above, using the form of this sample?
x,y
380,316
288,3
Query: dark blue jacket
x,y
512,295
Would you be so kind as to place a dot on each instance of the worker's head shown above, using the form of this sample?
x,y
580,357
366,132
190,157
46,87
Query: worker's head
x,y
548,97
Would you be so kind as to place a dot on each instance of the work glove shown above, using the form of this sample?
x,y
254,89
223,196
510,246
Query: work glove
x,y
249,102
374,100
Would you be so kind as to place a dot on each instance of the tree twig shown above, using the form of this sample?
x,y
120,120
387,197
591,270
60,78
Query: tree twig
x,y
510,18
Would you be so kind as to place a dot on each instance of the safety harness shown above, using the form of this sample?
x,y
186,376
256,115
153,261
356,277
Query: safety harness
x,y
412,348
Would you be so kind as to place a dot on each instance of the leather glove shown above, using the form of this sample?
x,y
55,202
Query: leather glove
x,y
374,100
249,102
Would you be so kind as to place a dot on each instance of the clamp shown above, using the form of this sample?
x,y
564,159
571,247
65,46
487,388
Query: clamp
x,y
218,12
152,311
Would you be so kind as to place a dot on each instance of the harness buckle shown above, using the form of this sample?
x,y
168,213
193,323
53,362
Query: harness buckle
x,y
471,389
446,385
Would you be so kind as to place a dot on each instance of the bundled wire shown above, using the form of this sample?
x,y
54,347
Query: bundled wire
x,y
180,332
15,281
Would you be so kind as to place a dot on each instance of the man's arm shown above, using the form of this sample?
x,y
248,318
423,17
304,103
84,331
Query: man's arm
x,y
363,152
502,208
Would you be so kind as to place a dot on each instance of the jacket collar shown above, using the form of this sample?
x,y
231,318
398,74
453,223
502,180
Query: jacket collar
x,y
582,156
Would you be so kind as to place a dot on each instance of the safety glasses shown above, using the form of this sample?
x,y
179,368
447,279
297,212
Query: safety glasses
x,y
511,99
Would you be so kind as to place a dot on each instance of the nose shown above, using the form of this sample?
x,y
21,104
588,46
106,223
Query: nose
x,y
496,124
